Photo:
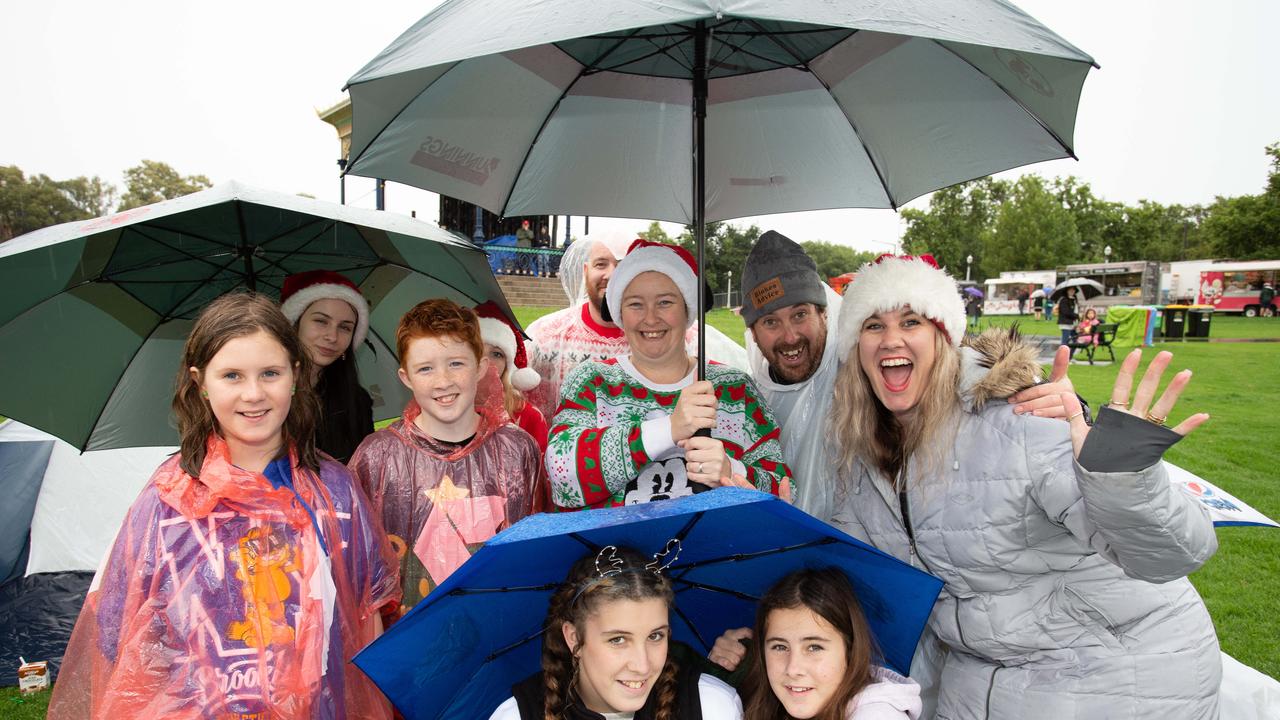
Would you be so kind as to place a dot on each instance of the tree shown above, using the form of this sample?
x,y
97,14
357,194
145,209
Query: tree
x,y
152,181
655,233
1032,231
30,203
1248,226
726,250
957,224
833,260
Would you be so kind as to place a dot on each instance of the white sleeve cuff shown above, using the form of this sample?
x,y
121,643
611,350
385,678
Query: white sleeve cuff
x,y
737,468
655,435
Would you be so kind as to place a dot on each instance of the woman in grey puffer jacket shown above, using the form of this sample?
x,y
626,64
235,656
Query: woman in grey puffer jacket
x,y
1064,549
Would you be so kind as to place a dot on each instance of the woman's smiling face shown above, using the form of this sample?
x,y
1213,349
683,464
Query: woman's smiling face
x,y
897,350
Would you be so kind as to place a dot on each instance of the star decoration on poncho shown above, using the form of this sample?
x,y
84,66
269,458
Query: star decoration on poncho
x,y
446,492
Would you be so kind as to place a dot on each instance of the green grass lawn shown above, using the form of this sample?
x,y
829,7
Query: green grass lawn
x,y
16,706
1237,384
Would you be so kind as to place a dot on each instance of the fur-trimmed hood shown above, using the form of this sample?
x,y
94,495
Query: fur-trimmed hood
x,y
995,365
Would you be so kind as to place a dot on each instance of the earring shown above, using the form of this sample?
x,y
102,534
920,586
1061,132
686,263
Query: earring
x,y
204,394
293,390
344,356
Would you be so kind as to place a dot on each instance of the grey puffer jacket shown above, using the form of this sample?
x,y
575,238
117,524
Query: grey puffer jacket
x,y
1065,594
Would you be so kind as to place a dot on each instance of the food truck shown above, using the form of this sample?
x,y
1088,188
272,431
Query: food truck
x,y
1234,287
1124,283
1002,292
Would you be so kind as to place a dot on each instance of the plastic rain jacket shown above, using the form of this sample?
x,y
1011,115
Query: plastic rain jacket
x,y
439,502
803,410
1065,593
219,600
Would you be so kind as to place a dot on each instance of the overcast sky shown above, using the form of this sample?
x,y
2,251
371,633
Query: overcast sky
x,y
1180,111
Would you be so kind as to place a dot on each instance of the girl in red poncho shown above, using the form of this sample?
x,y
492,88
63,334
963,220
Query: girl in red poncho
x,y
249,570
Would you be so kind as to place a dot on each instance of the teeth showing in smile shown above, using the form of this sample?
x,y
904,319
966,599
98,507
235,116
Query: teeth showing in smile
x,y
254,414
654,335
446,399
791,354
798,689
894,362
633,684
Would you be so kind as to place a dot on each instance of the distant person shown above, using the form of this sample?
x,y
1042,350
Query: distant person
x,y
541,243
1037,306
1086,329
1023,295
1067,315
1264,300
524,242
973,308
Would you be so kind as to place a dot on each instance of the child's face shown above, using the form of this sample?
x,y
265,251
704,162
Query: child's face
x,y
442,374
497,358
621,653
805,659
249,387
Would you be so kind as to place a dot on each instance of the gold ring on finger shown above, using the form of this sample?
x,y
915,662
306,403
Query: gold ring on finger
x,y
1158,420
1118,404
1073,417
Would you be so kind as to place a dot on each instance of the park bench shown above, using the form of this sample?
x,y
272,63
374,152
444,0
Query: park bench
x,y
1106,334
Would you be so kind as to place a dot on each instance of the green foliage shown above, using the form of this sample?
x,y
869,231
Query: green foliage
x,y
726,251
833,260
152,181
655,233
30,203
1032,230
958,224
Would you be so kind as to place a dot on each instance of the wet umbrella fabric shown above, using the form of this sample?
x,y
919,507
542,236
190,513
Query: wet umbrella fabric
x,y
1085,288
973,291
694,111
457,653
94,314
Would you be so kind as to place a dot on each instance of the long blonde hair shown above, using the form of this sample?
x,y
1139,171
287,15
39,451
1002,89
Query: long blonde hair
x,y
866,430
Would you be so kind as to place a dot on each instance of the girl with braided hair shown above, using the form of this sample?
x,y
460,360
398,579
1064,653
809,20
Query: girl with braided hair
x,y
607,653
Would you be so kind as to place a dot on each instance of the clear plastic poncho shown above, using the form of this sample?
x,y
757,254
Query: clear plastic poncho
x,y
233,595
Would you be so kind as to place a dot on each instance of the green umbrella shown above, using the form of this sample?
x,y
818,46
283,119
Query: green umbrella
x,y
93,314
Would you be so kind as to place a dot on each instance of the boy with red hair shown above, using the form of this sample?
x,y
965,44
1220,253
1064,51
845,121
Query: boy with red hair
x,y
449,474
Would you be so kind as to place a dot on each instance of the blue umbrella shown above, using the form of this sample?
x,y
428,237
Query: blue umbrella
x,y
973,291
457,653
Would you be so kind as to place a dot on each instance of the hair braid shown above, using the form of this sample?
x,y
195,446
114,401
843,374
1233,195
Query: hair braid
x,y
557,659
665,688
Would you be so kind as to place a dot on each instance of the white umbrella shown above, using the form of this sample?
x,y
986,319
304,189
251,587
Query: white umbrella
x,y
1085,288
701,110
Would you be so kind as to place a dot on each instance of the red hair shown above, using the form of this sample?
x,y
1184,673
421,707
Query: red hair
x,y
439,318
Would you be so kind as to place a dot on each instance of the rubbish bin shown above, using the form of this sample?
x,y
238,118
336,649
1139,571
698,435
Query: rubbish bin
x,y
1198,321
1175,321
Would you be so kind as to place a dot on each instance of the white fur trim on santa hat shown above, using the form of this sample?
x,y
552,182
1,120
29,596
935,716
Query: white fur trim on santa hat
x,y
657,259
893,283
301,300
497,333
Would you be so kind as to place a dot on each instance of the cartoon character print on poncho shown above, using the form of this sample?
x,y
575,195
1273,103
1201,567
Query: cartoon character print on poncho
x,y
597,455
224,597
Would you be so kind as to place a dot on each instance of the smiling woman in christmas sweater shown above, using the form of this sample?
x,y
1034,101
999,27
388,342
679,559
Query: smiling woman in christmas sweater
x,y
624,430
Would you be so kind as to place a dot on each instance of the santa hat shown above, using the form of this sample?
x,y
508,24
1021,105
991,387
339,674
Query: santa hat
x,y
302,289
671,260
892,282
498,330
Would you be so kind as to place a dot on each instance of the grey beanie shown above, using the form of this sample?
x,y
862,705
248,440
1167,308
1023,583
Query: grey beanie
x,y
777,274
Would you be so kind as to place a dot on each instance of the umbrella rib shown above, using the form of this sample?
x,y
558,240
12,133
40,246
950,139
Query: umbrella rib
x,y
534,142
515,588
504,650
352,161
168,314
683,569
799,64
884,184
102,410
716,588
692,628
613,48
658,50
1052,133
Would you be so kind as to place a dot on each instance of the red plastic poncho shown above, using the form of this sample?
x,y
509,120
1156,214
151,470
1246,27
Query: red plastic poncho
x,y
218,600
439,502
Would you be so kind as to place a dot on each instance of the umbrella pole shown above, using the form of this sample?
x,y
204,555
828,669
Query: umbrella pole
x,y
700,183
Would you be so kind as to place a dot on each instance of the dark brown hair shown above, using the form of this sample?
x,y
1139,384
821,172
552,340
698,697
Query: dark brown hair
x,y
829,595
231,316
584,592
439,318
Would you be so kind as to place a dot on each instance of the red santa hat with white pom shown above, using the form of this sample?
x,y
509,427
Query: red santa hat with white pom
x,y
498,330
671,260
893,281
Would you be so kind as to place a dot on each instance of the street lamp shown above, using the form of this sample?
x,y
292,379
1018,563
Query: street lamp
x,y
1106,252
728,296
967,263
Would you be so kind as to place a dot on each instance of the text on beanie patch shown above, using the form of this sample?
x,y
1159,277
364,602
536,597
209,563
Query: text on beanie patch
x,y
766,292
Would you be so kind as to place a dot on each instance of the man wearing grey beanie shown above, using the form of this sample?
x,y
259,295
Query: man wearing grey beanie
x,y
785,305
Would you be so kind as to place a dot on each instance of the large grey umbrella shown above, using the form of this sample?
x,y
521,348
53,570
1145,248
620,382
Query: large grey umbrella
x,y
697,110
93,314
1085,288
